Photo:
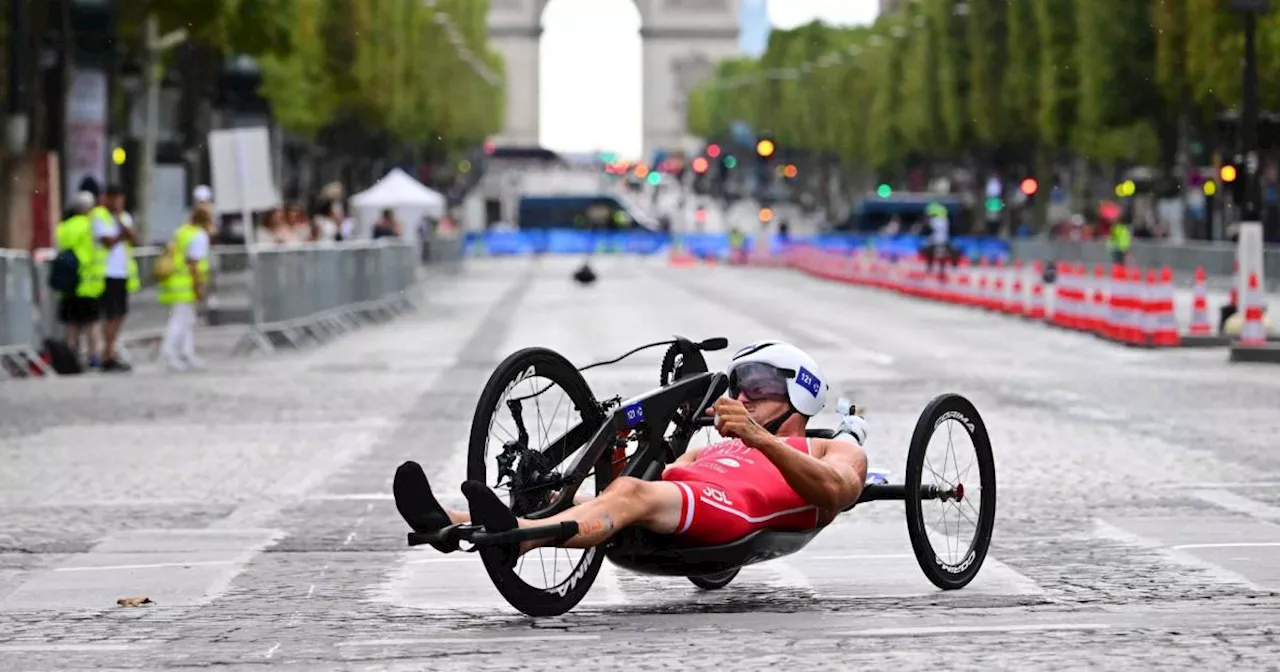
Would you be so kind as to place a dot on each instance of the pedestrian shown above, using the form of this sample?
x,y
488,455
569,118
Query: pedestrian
x,y
120,271
78,311
185,288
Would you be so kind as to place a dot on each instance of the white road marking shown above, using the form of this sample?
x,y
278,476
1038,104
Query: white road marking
x,y
470,640
1105,530
972,629
40,648
1236,544
1238,503
109,568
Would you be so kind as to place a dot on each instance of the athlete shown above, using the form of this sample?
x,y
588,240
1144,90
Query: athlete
x,y
765,475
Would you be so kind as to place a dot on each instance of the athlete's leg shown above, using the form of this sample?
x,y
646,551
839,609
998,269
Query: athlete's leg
x,y
626,502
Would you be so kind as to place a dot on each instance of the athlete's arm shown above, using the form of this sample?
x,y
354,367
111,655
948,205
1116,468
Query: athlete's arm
x,y
831,482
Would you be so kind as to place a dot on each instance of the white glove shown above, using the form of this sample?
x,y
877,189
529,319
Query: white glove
x,y
854,424
858,427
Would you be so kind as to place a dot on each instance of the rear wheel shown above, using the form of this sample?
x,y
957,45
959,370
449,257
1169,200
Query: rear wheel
x,y
950,534
714,581
533,397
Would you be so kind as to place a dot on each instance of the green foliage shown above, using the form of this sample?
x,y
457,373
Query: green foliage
x,y
945,79
386,65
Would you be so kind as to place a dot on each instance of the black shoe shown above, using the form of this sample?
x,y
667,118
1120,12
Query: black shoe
x,y
417,505
116,366
488,511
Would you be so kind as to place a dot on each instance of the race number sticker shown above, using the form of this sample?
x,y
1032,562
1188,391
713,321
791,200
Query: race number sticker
x,y
809,381
635,414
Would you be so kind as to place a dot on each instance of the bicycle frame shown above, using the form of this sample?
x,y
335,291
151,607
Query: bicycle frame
x,y
648,415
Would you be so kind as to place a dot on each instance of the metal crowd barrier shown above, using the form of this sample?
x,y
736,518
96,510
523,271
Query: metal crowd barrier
x,y
317,291
19,337
144,327
1218,259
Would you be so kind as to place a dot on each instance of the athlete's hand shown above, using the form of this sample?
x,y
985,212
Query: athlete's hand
x,y
734,422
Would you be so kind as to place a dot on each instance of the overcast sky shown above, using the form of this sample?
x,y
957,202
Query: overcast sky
x,y
598,42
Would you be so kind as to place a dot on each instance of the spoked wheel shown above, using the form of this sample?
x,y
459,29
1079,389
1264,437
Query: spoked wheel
x,y
532,398
714,581
950,459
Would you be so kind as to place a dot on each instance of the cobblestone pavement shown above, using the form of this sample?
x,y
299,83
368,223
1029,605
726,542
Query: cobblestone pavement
x,y
1139,495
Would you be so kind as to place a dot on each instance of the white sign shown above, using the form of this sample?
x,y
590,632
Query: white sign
x,y
243,180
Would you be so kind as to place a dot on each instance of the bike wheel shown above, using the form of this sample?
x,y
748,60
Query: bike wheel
x,y
529,376
951,564
714,581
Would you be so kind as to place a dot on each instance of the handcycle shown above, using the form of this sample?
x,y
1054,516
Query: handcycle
x,y
658,427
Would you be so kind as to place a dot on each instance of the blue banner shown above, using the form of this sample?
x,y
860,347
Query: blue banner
x,y
708,245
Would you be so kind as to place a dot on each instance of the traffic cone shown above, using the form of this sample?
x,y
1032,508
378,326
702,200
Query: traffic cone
x,y
1098,310
1115,311
1017,301
1035,302
1254,332
1137,323
1200,325
1165,334
998,302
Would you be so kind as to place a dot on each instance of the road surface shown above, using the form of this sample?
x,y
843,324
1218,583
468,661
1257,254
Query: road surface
x,y
1138,496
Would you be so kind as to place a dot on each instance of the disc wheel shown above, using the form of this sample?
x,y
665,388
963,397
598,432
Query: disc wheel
x,y
552,396
714,581
950,534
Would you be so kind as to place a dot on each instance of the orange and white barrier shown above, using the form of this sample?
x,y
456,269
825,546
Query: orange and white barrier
x,y
1124,304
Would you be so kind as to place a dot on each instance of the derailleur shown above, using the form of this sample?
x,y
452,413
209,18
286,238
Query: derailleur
x,y
525,469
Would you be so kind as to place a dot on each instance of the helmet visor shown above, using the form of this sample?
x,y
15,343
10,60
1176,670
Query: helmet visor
x,y
759,382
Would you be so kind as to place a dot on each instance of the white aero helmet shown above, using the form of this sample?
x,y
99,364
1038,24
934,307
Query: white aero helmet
x,y
806,386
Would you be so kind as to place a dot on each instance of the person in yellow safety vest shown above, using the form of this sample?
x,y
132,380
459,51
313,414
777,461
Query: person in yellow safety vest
x,y
80,311
1119,241
185,288
119,270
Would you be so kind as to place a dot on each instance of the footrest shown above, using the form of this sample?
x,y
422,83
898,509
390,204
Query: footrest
x,y
450,536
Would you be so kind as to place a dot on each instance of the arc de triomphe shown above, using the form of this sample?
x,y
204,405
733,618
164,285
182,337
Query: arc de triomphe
x,y
683,40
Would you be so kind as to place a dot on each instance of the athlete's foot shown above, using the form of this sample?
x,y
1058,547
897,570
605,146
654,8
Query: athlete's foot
x,y
489,512
417,505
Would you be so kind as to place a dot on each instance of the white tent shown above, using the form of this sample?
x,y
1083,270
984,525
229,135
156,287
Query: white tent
x,y
407,197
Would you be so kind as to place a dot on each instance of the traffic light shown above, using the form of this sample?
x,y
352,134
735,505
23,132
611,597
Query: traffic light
x,y
1030,186
884,191
713,151
729,162
1228,173
790,171
700,165
765,148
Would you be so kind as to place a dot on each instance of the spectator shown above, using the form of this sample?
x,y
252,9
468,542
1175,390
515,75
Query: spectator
x,y
328,222
185,288
120,269
304,231
79,311
276,229
387,225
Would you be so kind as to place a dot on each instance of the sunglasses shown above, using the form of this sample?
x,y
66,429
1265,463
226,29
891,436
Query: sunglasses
x,y
760,382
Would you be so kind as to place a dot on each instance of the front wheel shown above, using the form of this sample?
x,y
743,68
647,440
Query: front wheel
x,y
951,492
532,398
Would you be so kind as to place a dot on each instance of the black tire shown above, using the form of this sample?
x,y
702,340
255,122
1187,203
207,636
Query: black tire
x,y
548,364
714,581
942,574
